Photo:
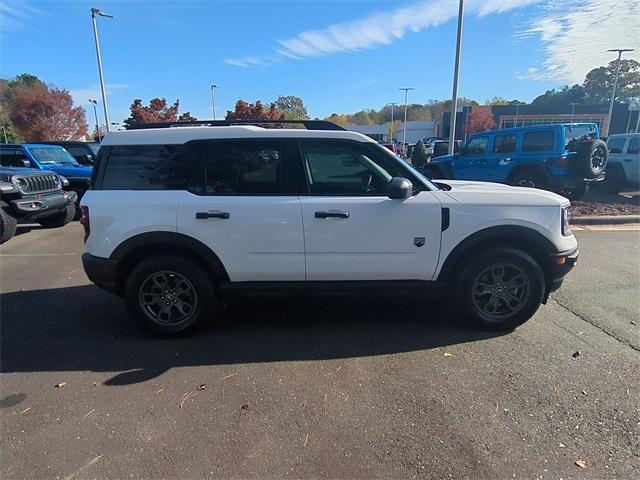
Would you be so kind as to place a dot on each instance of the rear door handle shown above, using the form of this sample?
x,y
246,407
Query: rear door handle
x,y
205,215
332,214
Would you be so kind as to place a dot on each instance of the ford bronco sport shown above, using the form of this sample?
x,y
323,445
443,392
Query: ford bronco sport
x,y
180,216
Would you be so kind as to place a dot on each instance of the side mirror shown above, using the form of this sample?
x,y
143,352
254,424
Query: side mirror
x,y
399,188
24,163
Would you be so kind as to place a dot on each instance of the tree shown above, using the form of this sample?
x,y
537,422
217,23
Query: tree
x,y
339,119
598,84
419,156
187,117
480,119
254,111
291,107
157,111
361,118
46,113
564,96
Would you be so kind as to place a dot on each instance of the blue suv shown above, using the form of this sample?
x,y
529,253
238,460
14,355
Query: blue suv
x,y
49,157
564,158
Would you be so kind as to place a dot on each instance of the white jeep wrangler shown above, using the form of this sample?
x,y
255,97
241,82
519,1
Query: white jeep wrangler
x,y
178,217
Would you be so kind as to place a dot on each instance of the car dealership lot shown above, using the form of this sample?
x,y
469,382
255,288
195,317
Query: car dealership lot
x,y
386,387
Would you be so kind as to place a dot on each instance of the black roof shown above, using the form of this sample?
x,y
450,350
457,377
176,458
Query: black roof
x,y
308,124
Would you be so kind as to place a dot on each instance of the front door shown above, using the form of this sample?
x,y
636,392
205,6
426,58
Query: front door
x,y
352,230
472,163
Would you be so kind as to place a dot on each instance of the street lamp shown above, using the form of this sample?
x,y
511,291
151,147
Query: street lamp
x,y
393,104
573,109
213,99
94,13
456,73
615,82
95,112
404,127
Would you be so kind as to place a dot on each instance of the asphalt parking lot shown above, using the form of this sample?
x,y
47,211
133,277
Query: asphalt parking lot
x,y
346,388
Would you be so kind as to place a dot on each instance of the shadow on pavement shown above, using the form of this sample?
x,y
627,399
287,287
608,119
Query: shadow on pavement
x,y
85,329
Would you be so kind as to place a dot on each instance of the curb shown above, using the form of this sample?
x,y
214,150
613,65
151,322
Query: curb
x,y
604,219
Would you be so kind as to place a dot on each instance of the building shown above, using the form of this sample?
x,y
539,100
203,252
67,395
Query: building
x,y
506,116
416,130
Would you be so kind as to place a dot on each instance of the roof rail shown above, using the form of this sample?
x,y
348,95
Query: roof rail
x,y
308,124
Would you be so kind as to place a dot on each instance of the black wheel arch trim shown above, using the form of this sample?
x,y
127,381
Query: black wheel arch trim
x,y
538,168
525,235
154,240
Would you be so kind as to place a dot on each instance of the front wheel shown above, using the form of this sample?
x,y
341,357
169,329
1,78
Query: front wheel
x,y
528,178
169,294
8,225
501,289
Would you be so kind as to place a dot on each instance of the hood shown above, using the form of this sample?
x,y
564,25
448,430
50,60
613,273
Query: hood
x,y
70,171
17,171
487,193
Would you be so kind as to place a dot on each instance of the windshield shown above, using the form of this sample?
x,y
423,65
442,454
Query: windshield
x,y
51,156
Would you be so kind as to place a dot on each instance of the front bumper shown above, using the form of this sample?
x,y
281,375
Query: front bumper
x,y
561,264
102,271
42,204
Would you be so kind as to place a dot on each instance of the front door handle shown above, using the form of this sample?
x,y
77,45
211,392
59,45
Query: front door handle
x,y
205,215
332,214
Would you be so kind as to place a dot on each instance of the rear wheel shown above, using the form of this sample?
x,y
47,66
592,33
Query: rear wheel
x,y
8,225
169,295
528,178
59,219
501,289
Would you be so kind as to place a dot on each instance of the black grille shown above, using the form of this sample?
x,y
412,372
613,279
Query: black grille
x,y
37,183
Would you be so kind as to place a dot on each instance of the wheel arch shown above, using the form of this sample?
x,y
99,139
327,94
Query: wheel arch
x,y
135,249
528,167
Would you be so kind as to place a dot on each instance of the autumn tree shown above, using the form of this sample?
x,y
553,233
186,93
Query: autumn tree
x,y
291,107
157,111
254,111
339,119
187,117
41,113
480,119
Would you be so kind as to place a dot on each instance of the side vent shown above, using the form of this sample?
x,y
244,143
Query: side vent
x,y
446,218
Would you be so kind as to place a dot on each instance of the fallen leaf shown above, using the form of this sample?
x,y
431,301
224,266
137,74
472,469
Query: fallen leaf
x,y
245,406
59,385
202,386
581,463
447,354
94,460
576,354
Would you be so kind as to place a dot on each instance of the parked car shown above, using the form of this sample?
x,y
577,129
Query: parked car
x,y
85,153
34,196
564,158
49,157
235,208
391,146
623,167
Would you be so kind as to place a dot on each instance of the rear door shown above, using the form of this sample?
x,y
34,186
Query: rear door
x,y
241,202
352,229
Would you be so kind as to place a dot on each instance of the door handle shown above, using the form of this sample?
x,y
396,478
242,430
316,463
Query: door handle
x,y
205,215
332,214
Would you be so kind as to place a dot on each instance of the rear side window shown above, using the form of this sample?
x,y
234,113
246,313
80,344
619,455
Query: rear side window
x,y
634,146
616,145
504,144
540,141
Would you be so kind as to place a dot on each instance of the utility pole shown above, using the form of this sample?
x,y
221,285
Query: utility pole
x,y
456,74
393,104
573,110
94,12
213,99
515,123
615,83
95,112
404,132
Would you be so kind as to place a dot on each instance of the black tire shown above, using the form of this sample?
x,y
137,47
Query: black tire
x,y
575,193
59,219
522,280
614,180
8,226
189,295
528,177
591,156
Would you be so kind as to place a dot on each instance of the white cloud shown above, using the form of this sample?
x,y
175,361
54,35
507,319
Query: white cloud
x,y
576,35
14,14
81,96
379,28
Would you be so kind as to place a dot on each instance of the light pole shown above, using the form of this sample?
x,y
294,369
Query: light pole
x,y
213,99
393,104
94,12
404,126
95,112
615,83
456,73
515,123
573,110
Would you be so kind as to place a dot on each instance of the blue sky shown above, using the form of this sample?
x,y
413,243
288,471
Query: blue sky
x,y
338,55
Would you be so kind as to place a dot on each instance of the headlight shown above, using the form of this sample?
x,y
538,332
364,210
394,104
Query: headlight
x,y
21,183
566,230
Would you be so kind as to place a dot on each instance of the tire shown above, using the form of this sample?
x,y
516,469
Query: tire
x,y
614,180
8,226
591,157
59,219
576,193
512,306
153,286
528,178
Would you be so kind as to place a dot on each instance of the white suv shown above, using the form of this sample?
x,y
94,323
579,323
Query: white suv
x,y
178,217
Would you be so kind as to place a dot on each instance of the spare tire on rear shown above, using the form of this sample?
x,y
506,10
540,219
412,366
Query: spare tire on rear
x,y
590,156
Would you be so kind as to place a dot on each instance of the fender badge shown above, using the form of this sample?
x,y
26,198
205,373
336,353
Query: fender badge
x,y
419,241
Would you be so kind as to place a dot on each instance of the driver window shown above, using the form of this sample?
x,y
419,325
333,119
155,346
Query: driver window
x,y
334,168
477,146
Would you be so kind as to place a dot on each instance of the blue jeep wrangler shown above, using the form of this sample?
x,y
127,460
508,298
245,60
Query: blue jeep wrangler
x,y
49,157
564,158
